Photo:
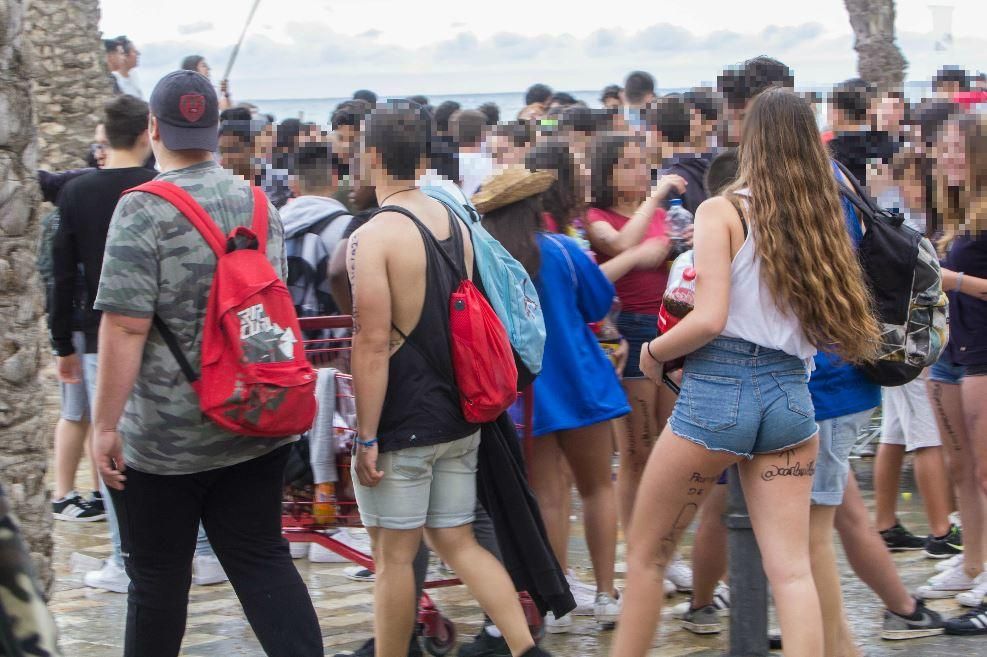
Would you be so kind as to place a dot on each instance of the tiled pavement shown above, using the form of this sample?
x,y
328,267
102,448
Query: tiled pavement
x,y
91,622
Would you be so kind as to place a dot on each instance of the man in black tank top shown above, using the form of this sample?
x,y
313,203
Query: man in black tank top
x,y
415,459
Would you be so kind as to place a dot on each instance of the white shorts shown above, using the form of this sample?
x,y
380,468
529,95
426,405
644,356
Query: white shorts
x,y
907,416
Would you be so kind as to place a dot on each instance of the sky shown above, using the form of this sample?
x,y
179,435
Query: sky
x,y
328,48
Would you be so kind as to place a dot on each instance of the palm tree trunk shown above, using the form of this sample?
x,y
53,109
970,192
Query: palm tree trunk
x,y
23,457
879,60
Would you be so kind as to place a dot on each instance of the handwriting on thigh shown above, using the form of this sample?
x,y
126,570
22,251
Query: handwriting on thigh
x,y
789,468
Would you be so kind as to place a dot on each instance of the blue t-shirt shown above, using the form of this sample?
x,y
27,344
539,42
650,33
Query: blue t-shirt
x,y
837,387
578,385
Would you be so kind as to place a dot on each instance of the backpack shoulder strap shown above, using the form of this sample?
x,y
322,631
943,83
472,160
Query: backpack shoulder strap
x,y
192,211
259,223
568,259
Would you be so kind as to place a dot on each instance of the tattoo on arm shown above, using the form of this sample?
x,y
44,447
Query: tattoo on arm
x,y
351,261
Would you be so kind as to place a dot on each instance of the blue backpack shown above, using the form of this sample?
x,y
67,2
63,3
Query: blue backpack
x,y
509,289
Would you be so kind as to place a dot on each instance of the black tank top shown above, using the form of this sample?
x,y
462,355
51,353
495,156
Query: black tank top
x,y
422,404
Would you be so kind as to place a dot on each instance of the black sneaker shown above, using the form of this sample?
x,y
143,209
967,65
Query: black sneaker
x,y
899,539
535,651
368,650
75,509
946,546
485,645
924,622
971,623
96,501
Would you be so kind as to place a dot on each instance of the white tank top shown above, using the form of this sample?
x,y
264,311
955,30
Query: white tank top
x,y
754,316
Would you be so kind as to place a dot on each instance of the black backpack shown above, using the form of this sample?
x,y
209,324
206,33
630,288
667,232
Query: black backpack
x,y
902,271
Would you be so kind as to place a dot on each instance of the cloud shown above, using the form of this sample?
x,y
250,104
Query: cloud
x,y
195,28
314,60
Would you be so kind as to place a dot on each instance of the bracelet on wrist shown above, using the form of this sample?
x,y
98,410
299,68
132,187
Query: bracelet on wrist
x,y
366,443
651,353
959,282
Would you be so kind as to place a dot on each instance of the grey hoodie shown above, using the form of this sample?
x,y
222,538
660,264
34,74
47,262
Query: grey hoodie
x,y
309,252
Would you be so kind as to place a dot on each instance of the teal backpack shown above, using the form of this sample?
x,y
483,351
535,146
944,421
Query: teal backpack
x,y
509,289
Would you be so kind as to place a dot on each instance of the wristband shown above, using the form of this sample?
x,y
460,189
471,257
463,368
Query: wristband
x,y
959,282
368,443
652,354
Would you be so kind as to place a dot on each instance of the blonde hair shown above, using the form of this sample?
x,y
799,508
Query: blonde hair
x,y
807,259
963,208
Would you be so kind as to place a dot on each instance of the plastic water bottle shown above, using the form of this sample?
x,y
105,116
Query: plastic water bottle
x,y
677,219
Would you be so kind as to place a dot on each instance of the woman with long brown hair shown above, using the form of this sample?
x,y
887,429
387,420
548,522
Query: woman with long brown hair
x,y
777,279
958,382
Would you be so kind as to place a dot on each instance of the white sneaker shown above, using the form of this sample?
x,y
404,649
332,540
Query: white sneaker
x,y
358,574
954,519
555,625
320,554
670,588
945,585
955,561
207,570
298,550
110,577
680,574
975,596
721,601
359,540
606,609
583,594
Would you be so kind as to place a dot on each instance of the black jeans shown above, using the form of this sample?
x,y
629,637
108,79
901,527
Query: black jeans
x,y
240,507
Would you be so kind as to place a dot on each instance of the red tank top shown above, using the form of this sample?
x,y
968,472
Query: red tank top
x,y
640,290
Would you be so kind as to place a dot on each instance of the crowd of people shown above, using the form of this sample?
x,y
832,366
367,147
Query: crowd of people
x,y
364,217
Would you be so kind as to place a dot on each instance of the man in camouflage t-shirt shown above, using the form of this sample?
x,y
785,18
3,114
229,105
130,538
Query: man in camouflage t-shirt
x,y
167,466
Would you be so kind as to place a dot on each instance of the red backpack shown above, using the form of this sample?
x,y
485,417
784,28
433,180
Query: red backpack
x,y
482,359
255,380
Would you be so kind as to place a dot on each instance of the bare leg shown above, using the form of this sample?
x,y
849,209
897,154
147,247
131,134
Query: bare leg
x,y
838,637
550,484
887,481
781,524
973,390
93,470
867,554
588,452
948,404
933,485
635,439
70,440
709,552
487,581
677,480
394,589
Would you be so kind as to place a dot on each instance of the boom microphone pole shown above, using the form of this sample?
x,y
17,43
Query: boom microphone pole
x,y
236,48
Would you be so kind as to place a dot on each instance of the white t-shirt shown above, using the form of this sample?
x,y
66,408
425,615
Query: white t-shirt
x,y
129,84
474,168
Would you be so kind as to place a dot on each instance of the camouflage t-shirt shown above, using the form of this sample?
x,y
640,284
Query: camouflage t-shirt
x,y
156,262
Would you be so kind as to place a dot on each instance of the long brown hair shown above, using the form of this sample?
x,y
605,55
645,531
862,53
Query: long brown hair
x,y
964,208
807,259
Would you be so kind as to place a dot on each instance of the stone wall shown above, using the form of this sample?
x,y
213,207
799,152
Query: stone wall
x,y
70,82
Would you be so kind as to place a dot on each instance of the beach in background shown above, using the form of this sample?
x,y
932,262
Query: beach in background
x,y
319,110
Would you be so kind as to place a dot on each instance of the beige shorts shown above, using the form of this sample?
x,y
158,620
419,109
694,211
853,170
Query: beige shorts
x,y
908,418
433,486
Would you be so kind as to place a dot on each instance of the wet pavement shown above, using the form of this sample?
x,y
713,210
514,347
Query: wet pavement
x,y
91,622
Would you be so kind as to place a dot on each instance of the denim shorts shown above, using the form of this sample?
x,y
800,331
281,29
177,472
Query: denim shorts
x,y
636,328
742,398
837,437
76,399
432,486
946,371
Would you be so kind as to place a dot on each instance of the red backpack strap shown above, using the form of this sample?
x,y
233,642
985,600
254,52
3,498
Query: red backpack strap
x,y
189,207
259,224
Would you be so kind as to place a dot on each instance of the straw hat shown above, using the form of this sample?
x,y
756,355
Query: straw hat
x,y
510,185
